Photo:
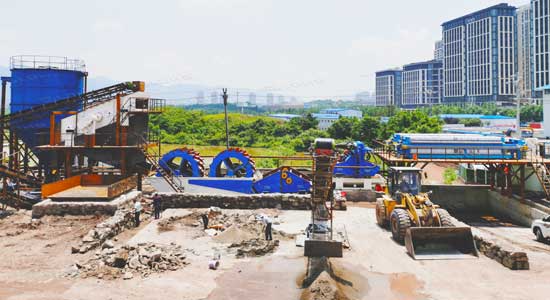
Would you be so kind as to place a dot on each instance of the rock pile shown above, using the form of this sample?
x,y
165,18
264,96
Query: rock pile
x,y
103,231
254,247
510,259
143,259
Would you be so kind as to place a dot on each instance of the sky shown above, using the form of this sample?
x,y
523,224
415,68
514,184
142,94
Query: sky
x,y
308,48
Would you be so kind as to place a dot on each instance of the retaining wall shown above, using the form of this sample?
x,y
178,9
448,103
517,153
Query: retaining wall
x,y
460,198
53,208
280,201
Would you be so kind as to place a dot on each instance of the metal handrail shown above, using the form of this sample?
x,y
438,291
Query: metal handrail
x,y
47,62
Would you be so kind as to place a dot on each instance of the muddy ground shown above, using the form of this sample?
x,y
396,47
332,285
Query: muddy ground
x,y
37,256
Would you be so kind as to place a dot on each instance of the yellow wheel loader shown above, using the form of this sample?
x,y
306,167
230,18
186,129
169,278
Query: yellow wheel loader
x,y
427,230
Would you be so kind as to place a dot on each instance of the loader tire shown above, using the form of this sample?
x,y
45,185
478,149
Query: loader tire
x,y
445,218
400,222
381,213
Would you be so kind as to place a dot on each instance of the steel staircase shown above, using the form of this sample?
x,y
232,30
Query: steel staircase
x,y
543,174
152,158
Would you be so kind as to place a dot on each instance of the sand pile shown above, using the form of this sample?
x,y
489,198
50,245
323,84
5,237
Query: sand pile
x,y
324,288
235,234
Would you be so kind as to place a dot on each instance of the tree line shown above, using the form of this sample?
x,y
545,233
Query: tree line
x,y
192,127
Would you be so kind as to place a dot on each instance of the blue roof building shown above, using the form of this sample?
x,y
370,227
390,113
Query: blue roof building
x,y
480,56
326,120
284,117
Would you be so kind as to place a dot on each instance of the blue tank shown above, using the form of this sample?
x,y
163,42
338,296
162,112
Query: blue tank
x,y
37,80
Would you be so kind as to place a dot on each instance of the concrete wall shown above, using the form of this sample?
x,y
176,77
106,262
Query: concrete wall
x,y
479,198
281,201
522,213
460,198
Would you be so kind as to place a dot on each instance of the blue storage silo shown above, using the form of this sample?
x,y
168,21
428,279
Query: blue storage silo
x,y
37,80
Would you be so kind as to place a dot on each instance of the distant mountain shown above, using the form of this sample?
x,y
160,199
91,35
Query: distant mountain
x,y
189,94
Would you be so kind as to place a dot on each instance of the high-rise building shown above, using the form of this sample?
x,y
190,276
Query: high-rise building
x,y
280,100
540,12
252,98
479,56
438,50
200,97
269,99
422,84
214,98
524,21
388,87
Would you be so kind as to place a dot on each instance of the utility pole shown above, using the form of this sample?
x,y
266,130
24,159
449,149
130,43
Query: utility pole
x,y
515,85
225,96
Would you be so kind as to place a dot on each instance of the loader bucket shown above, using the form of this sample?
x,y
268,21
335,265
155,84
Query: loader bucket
x,y
320,248
425,243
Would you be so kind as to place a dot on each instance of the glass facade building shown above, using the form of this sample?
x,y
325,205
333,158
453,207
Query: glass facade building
x,y
438,50
388,88
540,34
422,84
524,21
479,56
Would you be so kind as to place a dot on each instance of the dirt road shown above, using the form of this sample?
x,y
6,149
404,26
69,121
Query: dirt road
x,y
374,268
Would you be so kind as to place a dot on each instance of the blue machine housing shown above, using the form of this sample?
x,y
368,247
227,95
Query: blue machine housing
x,y
473,146
245,168
357,157
190,162
283,180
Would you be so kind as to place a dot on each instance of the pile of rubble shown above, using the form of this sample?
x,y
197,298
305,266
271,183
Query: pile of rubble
x,y
254,247
509,259
103,231
127,261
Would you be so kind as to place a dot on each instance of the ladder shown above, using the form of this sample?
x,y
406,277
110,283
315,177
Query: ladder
x,y
543,174
152,159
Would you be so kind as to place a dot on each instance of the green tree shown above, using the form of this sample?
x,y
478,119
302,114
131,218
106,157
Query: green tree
x,y
305,139
415,121
366,130
471,122
342,129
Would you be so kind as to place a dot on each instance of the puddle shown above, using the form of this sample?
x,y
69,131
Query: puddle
x,y
350,282
279,278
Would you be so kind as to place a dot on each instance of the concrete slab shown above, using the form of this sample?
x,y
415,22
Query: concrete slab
x,y
83,192
54,208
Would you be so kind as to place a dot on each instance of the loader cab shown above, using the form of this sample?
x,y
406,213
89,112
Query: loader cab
x,y
404,180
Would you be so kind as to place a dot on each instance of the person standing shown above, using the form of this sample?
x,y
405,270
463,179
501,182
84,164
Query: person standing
x,y
157,205
137,211
267,222
205,220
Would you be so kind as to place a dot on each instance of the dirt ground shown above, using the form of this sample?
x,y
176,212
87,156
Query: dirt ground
x,y
35,258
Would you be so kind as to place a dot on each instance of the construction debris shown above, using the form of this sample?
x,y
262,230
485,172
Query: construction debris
x,y
254,247
105,230
510,259
128,261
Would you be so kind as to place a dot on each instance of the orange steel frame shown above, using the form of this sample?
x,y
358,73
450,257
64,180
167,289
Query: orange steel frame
x,y
53,141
